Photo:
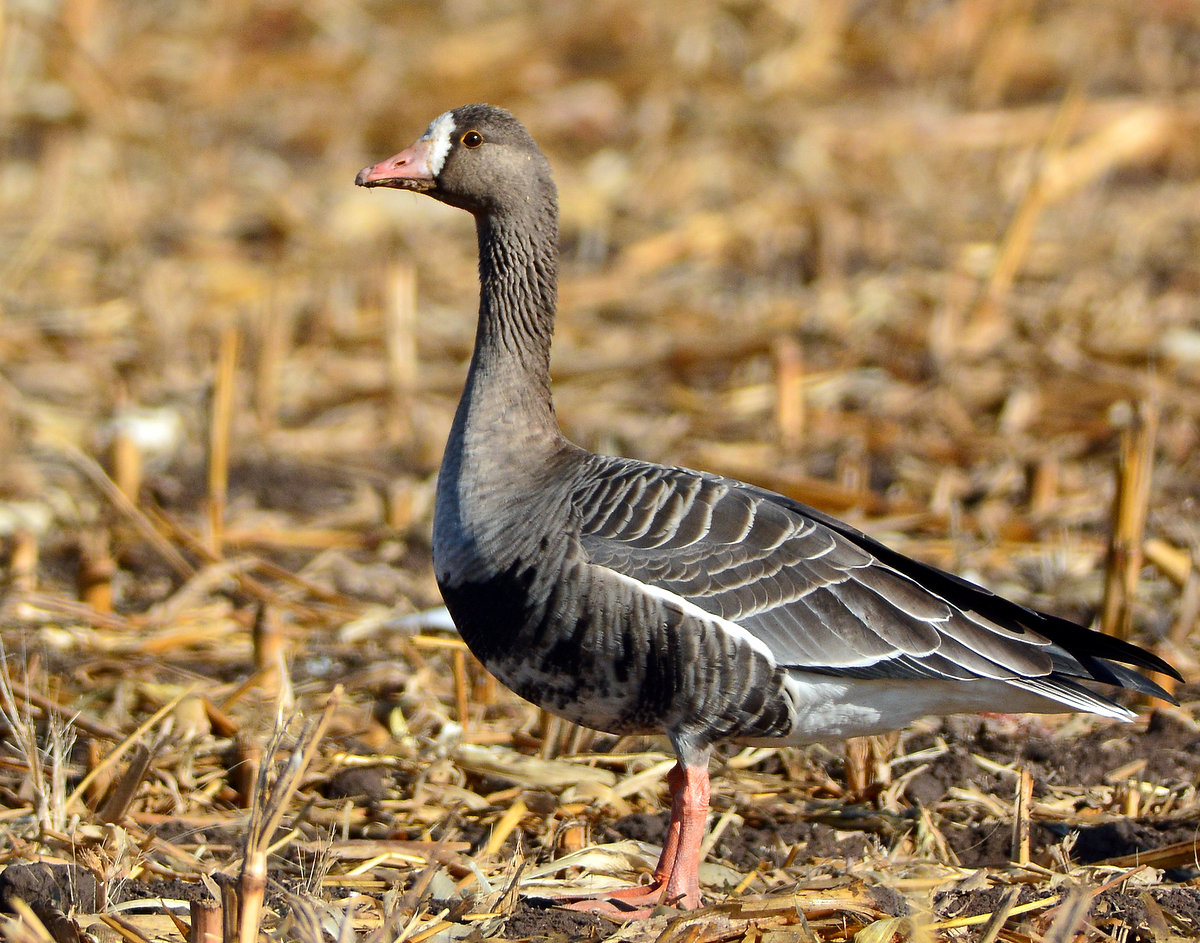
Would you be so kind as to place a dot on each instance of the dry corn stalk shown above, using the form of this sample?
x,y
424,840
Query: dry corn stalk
x,y
1135,466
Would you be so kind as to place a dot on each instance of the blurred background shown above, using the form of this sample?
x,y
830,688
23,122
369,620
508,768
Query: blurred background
x,y
921,264
933,267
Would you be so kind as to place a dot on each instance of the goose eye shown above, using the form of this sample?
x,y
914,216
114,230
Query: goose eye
x,y
472,139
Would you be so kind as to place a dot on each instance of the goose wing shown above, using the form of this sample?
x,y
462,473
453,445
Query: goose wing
x,y
823,596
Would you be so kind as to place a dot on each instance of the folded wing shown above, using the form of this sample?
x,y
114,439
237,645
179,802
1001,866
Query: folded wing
x,y
824,597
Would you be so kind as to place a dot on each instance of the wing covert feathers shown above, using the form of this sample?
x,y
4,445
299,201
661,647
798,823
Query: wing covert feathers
x,y
824,597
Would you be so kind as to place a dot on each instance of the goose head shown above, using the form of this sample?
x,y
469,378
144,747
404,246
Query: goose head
x,y
477,157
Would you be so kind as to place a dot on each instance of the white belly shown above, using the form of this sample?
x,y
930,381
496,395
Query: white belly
x,y
830,709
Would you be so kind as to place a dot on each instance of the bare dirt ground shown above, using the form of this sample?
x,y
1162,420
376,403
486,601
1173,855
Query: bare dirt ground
x,y
932,267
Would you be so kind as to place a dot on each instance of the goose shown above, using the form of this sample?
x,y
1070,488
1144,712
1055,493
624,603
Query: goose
x,y
638,598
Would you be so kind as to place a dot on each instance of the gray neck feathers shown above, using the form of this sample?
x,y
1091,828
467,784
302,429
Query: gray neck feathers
x,y
517,300
497,466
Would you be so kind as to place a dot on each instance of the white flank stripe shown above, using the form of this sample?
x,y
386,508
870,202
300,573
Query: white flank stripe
x,y
1074,699
439,132
689,608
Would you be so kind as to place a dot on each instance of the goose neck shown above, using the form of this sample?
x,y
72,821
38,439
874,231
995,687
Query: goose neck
x,y
518,294
507,402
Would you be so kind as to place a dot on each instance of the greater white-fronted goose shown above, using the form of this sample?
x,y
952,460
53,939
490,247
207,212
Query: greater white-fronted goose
x,y
635,598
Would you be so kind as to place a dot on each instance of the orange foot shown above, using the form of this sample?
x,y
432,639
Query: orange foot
x,y
629,903
676,878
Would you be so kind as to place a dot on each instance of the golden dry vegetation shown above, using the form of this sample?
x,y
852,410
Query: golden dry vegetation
x,y
931,266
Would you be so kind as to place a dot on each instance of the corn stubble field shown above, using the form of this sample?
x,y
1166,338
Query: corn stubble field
x,y
933,267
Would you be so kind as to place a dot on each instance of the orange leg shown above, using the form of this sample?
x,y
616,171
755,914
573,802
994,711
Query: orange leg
x,y
676,878
689,815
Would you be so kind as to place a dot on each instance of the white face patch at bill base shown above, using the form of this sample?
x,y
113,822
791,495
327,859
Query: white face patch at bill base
x,y
439,132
